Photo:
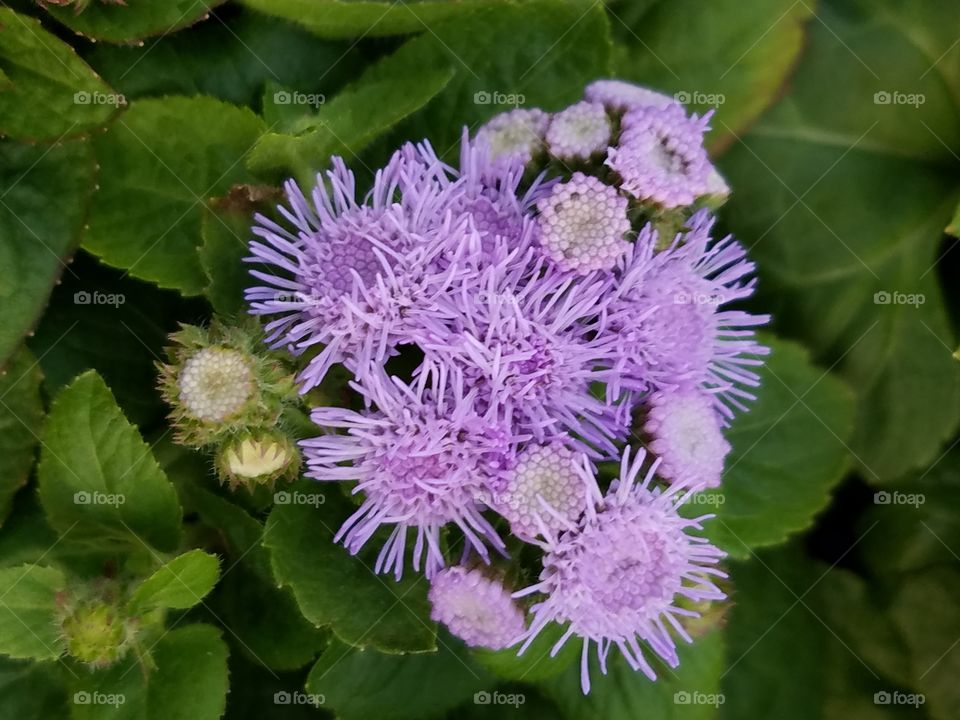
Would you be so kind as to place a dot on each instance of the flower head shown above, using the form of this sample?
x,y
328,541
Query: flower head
x,y
578,131
660,155
545,489
422,458
687,437
216,383
514,136
477,609
258,459
351,270
670,323
618,96
621,575
583,224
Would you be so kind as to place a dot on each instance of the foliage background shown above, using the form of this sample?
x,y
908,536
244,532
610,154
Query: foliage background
x,y
838,127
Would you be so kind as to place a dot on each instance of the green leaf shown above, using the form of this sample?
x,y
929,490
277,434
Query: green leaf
x,y
49,92
535,664
31,691
348,18
385,94
336,589
926,613
189,682
34,242
954,227
159,165
226,233
266,620
732,55
180,584
691,691
843,194
542,50
787,453
230,58
358,684
21,415
27,606
129,22
98,479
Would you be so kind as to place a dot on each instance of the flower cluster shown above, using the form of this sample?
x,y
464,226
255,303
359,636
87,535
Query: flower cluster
x,y
508,326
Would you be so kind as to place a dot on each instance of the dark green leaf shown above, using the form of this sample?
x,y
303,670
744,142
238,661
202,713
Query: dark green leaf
x,y
129,22
333,588
21,415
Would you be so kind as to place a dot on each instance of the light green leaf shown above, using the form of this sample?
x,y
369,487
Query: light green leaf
x,y
180,584
189,682
35,242
843,191
731,55
28,596
49,93
21,415
359,684
159,164
690,692
788,451
129,22
336,589
98,479
385,94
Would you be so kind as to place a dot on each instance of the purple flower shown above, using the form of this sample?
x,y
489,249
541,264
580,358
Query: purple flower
x,y
620,576
347,272
544,489
522,336
583,224
422,458
579,131
475,608
514,136
686,435
660,155
618,96
669,322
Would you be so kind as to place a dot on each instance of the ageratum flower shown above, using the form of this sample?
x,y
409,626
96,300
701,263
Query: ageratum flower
x,y
348,272
521,336
618,96
686,435
475,608
422,458
579,131
660,155
583,225
622,574
514,136
671,327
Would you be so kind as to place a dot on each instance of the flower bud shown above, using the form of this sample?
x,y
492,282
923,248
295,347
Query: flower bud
x,y
257,460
